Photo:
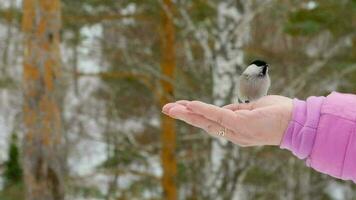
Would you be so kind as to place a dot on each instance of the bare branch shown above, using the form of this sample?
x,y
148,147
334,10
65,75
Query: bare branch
x,y
298,82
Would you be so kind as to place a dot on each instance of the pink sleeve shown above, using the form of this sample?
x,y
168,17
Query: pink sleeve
x,y
322,131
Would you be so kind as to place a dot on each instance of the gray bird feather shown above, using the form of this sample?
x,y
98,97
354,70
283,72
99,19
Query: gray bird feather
x,y
253,83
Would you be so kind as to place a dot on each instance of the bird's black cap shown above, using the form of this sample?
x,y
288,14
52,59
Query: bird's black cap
x,y
259,63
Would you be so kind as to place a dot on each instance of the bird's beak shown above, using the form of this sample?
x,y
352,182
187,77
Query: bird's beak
x,y
264,69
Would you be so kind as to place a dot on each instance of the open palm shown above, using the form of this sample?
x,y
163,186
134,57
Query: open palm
x,y
258,123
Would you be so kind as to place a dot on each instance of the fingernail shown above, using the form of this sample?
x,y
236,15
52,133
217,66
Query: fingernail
x,y
172,113
166,108
164,112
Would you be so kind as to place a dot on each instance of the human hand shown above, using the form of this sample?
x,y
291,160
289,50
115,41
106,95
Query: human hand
x,y
262,122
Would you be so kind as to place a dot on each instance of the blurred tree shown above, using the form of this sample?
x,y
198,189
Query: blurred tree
x,y
13,169
168,129
326,29
13,183
41,25
308,44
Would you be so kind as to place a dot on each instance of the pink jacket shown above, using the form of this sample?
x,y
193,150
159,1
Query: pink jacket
x,y
323,132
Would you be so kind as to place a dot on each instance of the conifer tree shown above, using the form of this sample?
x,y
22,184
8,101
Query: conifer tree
x,y
13,169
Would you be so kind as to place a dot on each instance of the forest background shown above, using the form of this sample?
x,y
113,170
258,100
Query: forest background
x,y
82,83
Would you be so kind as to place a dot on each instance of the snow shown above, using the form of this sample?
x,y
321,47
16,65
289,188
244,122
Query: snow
x,y
336,191
7,4
89,47
311,5
129,9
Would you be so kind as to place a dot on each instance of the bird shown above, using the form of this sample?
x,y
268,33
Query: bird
x,y
254,82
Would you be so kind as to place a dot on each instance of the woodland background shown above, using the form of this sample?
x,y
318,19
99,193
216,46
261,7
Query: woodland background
x,y
82,83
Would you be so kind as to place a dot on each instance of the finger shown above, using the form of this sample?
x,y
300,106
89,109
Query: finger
x,y
182,113
207,125
167,107
224,117
176,109
240,106
183,102
233,106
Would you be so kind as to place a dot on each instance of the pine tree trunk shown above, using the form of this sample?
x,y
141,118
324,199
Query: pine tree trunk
x,y
168,134
42,119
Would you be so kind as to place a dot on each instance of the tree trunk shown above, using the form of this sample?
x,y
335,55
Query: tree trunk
x,y
42,119
168,134
232,35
